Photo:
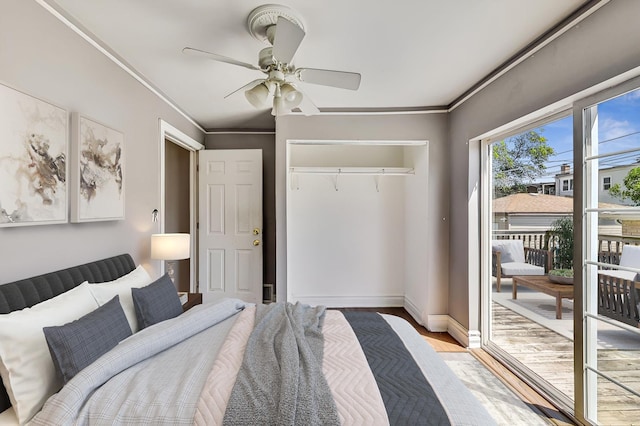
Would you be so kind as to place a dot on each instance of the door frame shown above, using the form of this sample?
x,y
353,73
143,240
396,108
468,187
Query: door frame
x,y
170,133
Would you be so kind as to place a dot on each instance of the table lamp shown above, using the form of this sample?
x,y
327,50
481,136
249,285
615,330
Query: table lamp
x,y
170,247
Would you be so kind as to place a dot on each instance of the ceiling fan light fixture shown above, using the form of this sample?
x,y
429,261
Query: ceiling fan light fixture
x,y
258,95
291,97
281,28
278,102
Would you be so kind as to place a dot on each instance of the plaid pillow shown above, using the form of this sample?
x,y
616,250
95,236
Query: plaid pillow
x,y
75,345
156,302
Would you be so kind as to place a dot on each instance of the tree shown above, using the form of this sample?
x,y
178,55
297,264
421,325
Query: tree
x,y
562,243
632,187
518,161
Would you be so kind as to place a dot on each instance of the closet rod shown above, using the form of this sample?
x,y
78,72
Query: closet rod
x,y
371,171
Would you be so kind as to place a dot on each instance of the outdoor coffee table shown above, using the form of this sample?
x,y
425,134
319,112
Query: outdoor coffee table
x,y
542,284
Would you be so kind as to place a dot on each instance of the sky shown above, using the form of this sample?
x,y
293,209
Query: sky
x,y
618,129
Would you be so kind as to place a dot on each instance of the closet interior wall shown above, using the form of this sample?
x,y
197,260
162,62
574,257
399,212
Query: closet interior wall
x,y
347,225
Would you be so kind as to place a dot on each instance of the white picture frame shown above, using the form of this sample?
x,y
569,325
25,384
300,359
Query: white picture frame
x,y
97,172
34,146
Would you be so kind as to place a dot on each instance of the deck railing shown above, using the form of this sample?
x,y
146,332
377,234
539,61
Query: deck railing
x,y
531,239
610,245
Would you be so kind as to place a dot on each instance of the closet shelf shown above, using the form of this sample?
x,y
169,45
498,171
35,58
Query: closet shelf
x,y
371,171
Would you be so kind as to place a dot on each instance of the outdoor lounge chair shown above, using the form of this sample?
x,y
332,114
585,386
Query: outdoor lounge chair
x,y
618,290
511,257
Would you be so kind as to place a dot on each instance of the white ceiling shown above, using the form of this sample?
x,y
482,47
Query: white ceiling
x,y
411,53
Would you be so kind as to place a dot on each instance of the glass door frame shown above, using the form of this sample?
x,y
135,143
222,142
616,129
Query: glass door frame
x,y
519,369
584,407
585,119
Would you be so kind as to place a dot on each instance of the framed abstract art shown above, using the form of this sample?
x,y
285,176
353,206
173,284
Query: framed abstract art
x,y
33,160
97,192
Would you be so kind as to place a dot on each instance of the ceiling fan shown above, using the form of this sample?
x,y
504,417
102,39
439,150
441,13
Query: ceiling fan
x,y
283,30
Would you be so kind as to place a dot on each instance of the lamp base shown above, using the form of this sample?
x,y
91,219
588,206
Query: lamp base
x,y
171,271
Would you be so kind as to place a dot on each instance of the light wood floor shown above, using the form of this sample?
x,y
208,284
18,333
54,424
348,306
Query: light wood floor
x,y
550,356
443,342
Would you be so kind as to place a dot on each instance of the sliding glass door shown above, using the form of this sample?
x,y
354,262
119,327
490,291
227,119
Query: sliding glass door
x,y
530,325
561,241
610,262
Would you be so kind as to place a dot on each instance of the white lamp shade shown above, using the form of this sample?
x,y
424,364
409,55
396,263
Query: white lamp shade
x,y
258,96
291,96
170,246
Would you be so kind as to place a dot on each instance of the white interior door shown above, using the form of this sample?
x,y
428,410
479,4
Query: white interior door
x,y
230,216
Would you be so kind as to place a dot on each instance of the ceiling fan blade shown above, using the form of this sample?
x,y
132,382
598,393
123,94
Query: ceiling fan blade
x,y
341,79
287,40
247,86
219,58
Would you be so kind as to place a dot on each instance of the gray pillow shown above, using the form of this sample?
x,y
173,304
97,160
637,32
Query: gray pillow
x,y
75,345
156,302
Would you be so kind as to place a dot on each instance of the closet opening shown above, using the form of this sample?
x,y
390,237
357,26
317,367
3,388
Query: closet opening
x,y
350,215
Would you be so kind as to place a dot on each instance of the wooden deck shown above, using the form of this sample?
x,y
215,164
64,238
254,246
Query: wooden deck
x,y
550,356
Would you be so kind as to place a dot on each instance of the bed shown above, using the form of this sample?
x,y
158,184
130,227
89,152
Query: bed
x,y
227,363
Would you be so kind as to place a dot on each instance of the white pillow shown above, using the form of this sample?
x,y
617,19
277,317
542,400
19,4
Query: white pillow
x,y
103,292
510,250
630,256
25,362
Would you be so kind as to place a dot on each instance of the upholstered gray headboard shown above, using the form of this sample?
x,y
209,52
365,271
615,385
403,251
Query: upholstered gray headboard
x,y
26,293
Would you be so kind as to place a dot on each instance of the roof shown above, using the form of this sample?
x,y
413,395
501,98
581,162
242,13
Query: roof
x,y
538,203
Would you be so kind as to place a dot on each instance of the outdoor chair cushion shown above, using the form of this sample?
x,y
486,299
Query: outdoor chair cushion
x,y
510,251
521,268
630,258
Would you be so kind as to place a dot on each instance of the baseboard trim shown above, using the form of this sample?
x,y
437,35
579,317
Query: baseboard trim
x,y
413,310
467,338
352,301
438,323
458,332
475,342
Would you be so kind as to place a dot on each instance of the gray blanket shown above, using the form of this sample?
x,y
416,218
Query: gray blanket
x,y
135,393
281,380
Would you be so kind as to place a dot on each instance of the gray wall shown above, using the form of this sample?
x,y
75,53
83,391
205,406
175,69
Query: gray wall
x,y
601,47
42,57
265,142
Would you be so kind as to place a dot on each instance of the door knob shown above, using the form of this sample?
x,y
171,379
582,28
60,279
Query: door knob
x,y
256,242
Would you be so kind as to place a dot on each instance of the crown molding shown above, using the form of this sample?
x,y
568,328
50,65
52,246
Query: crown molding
x,y
90,38
581,13
577,16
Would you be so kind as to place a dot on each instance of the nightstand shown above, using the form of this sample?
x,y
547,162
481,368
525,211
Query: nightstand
x,y
192,300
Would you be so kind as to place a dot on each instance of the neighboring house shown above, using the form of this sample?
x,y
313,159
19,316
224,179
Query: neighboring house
x,y
564,181
529,212
607,177
537,212
548,188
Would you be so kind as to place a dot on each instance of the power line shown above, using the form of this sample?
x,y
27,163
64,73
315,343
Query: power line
x,y
618,137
